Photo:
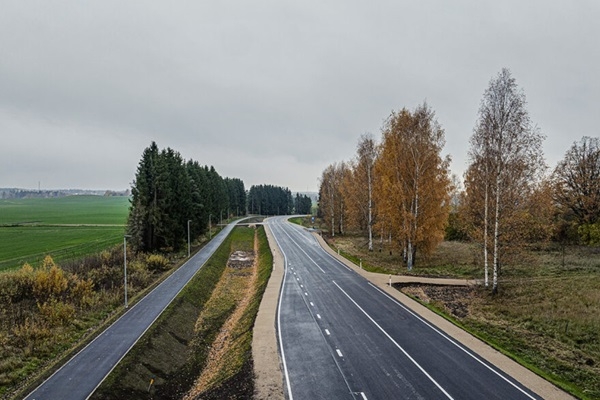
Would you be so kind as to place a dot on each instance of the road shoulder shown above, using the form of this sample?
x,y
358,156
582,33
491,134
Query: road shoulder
x,y
268,375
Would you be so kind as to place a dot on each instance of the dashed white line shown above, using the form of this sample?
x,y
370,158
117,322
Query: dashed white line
x,y
312,304
306,294
395,343
319,316
339,352
327,332
301,285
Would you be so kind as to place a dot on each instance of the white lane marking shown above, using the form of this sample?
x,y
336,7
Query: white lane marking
x,y
298,279
327,332
312,304
395,343
306,294
364,396
448,338
319,316
339,352
301,285
285,369
301,249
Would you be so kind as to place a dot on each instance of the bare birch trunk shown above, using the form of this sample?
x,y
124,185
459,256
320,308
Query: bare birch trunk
x,y
496,236
485,236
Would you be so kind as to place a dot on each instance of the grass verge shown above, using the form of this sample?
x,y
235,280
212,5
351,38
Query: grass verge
x,y
175,350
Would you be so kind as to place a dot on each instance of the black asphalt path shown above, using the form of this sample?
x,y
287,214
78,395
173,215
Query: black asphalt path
x,y
81,375
340,337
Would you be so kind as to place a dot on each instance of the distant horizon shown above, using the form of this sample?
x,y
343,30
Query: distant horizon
x,y
112,190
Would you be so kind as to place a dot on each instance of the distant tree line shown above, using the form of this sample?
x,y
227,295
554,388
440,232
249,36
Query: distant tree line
x,y
302,204
168,192
270,200
401,189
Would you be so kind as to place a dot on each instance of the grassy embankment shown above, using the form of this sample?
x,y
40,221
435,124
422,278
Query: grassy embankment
x,y
546,316
67,227
202,342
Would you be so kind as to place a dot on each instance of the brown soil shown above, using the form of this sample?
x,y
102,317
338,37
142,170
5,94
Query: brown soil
x,y
454,299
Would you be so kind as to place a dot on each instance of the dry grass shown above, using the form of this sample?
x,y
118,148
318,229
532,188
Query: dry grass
x,y
237,285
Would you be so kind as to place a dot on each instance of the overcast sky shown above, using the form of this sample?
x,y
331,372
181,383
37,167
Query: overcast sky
x,y
273,91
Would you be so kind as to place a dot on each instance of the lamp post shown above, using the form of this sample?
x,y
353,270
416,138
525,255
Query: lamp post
x,y
189,220
125,266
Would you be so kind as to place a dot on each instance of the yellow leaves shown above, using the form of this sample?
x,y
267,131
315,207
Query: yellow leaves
x,y
412,179
49,281
156,262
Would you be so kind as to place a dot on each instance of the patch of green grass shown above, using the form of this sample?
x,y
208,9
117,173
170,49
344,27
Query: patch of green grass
x,y
65,210
19,245
66,228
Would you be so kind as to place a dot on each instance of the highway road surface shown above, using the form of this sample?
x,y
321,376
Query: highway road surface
x,y
340,337
81,375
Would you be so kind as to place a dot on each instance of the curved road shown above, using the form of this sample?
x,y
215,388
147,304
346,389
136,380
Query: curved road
x,y
83,373
340,337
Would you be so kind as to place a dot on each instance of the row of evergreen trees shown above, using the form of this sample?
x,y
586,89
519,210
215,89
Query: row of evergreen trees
x,y
169,191
270,200
302,204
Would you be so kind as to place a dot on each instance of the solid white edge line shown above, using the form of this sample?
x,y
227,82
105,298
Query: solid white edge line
x,y
395,343
435,329
448,338
301,249
285,369
364,396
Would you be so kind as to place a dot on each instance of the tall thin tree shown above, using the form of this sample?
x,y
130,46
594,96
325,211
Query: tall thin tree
x,y
506,149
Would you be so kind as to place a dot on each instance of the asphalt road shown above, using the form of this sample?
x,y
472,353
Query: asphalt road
x,y
81,375
340,337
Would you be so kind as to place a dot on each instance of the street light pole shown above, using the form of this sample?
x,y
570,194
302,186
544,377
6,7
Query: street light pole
x,y
189,220
125,266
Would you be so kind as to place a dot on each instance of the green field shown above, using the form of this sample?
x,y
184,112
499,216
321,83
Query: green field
x,y
66,227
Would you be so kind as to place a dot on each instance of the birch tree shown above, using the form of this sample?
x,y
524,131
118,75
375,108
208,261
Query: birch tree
x,y
357,188
506,160
413,180
365,164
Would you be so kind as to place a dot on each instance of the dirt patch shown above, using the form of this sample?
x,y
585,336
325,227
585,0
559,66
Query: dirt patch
x,y
455,300
240,275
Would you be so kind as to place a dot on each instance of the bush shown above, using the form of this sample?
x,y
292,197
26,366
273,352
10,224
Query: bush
x,y
157,263
56,313
82,291
49,281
